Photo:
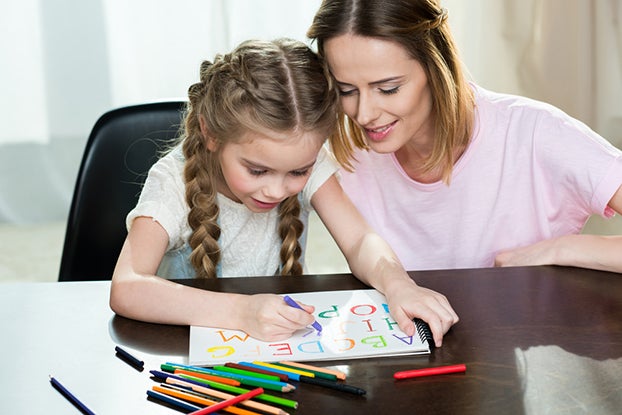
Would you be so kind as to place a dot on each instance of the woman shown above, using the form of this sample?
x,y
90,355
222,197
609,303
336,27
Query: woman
x,y
450,174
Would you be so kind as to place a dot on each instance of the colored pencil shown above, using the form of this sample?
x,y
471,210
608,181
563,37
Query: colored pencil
x,y
222,395
285,369
227,388
70,396
342,387
197,369
272,368
213,378
255,381
316,373
243,372
227,377
178,403
340,375
198,372
200,400
430,371
224,405
129,359
292,303
282,376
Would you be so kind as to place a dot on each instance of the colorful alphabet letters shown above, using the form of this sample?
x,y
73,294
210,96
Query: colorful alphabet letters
x,y
356,324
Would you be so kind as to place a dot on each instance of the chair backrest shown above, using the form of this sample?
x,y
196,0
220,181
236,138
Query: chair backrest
x,y
123,145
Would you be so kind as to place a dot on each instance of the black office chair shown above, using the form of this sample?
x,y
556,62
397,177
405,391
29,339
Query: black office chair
x,y
123,145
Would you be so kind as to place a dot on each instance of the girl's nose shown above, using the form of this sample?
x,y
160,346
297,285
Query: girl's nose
x,y
275,189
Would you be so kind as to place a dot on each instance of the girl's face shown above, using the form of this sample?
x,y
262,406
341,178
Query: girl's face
x,y
261,171
383,90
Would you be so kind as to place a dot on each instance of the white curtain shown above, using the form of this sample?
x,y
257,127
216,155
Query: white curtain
x,y
65,62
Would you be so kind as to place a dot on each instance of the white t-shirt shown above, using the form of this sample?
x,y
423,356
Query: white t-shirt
x,y
530,173
249,241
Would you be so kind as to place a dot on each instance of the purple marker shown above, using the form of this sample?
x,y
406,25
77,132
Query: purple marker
x,y
289,300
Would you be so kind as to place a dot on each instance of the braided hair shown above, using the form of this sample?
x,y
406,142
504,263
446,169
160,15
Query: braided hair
x,y
261,85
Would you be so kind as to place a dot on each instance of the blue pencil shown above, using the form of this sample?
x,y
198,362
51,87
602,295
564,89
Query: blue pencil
x,y
70,397
173,401
163,375
290,301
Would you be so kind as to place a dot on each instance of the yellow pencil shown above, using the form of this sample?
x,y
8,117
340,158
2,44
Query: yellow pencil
x,y
340,375
285,369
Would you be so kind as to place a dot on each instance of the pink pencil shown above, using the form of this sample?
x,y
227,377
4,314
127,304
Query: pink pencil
x,y
440,370
228,402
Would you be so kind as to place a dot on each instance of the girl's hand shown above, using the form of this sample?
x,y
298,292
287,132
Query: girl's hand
x,y
407,301
268,318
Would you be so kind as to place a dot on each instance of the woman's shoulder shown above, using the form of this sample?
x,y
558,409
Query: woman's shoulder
x,y
513,103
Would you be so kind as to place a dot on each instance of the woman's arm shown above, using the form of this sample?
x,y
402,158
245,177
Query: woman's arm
x,y
137,293
372,260
585,251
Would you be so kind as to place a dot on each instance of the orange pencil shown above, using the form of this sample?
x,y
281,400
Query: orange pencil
x,y
202,401
225,405
219,379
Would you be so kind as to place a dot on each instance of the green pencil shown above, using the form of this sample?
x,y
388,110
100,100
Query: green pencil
x,y
247,373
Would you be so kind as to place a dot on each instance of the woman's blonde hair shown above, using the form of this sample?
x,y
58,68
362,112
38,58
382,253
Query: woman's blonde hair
x,y
420,26
261,85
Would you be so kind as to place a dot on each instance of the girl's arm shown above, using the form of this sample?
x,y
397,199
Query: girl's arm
x,y
137,293
372,260
585,251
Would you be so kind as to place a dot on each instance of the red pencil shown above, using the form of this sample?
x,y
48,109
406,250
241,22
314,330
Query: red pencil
x,y
440,370
228,402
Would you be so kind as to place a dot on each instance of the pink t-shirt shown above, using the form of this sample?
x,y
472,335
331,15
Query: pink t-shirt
x,y
530,173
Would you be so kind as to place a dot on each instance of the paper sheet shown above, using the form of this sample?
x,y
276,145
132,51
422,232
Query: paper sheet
x,y
356,324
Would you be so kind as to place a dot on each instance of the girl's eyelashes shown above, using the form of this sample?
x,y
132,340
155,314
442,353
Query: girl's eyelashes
x,y
300,173
256,172
296,173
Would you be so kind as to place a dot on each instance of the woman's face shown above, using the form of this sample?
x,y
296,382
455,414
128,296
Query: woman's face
x,y
383,89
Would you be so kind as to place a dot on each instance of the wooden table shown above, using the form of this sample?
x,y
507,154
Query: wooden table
x,y
534,339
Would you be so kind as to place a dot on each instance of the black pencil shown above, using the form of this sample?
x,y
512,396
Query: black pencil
x,y
128,358
333,385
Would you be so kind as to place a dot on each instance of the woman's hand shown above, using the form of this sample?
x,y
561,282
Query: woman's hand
x,y
541,253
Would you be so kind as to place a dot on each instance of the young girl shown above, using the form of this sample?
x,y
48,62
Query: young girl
x,y
233,198
449,174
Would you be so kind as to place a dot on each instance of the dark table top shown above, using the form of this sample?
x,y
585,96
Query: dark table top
x,y
534,340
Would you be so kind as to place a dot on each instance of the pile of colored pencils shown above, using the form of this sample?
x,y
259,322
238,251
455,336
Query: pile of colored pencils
x,y
202,390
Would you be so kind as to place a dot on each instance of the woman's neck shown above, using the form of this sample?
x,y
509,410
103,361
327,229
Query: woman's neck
x,y
412,158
